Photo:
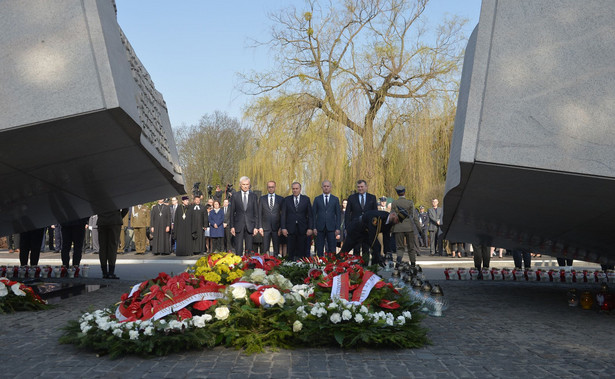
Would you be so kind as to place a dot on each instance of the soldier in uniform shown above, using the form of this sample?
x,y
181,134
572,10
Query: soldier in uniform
x,y
404,231
140,221
365,230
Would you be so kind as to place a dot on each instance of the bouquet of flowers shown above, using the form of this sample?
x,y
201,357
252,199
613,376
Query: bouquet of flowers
x,y
16,296
222,268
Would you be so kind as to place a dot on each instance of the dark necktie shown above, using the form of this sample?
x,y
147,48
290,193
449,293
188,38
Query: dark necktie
x,y
326,200
271,202
296,203
245,201
362,201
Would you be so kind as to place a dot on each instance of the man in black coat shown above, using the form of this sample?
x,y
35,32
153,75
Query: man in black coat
x,y
365,230
73,233
109,227
182,228
269,214
243,218
358,204
199,223
297,222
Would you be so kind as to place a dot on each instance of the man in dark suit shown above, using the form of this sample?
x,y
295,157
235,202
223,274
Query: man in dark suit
x,y
435,228
366,229
269,213
297,222
228,237
358,204
243,218
327,219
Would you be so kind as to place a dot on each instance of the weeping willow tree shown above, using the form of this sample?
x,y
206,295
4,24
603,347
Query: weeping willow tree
x,y
418,162
286,150
349,69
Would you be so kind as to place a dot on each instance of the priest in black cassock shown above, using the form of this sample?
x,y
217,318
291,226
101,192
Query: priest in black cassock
x,y
160,221
182,228
199,223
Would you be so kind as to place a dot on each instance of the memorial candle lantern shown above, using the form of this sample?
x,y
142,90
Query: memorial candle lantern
x,y
463,273
496,273
473,273
587,301
573,299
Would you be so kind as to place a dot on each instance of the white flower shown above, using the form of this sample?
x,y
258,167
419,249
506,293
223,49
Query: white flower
x,y
332,306
174,324
16,290
207,318
335,318
258,275
3,290
364,309
358,318
148,331
389,321
293,297
133,334
222,313
401,320
117,332
407,315
346,315
239,292
297,325
85,327
198,321
272,296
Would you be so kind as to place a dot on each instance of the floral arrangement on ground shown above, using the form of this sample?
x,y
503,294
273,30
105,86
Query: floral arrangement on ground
x,y
337,302
16,296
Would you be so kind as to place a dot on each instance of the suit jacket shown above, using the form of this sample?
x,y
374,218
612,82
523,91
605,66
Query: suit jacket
x,y
296,220
240,218
270,218
354,210
435,214
328,217
406,225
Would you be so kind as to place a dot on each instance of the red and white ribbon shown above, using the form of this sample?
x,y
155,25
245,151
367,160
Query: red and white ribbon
x,y
362,292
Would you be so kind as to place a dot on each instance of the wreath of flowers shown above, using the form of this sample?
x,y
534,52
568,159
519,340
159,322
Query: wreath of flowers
x,y
16,296
261,309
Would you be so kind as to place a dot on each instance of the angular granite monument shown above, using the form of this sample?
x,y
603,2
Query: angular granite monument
x,y
532,160
82,128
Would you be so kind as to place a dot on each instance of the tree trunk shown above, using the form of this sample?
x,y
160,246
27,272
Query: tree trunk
x,y
371,169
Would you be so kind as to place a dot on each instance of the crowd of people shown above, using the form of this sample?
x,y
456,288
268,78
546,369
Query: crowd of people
x,y
246,222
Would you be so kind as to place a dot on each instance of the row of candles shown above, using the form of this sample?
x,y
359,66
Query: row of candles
x,y
604,300
412,280
32,272
539,275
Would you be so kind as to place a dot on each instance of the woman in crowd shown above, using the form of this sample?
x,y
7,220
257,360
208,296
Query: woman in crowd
x,y
216,228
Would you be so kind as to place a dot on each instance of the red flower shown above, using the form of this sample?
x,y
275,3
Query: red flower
x,y
204,305
389,304
184,314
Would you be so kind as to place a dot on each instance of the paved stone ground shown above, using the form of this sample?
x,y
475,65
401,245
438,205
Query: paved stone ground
x,y
491,330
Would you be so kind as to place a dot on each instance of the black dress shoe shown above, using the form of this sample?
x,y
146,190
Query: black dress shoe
x,y
105,276
112,276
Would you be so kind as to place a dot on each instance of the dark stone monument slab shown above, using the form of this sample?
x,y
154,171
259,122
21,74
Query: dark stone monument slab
x,y
82,127
532,160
